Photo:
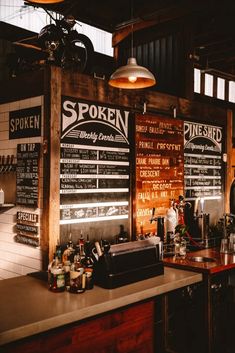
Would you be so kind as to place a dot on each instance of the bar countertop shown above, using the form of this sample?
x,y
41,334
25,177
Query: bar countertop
x,y
220,262
27,307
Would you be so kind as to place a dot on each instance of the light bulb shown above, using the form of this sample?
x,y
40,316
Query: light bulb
x,y
132,79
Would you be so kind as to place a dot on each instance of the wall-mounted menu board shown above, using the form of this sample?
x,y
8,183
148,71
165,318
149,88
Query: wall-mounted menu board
x,y
94,164
159,166
27,174
202,160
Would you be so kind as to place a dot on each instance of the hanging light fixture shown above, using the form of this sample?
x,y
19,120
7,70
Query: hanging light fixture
x,y
132,76
45,1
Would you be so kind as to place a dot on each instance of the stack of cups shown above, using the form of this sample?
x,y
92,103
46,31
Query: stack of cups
x,y
232,243
227,245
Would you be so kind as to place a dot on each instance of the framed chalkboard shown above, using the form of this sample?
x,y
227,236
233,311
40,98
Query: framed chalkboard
x,y
203,151
27,174
159,167
94,166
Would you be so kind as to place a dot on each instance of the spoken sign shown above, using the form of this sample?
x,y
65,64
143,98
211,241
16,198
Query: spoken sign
x,y
95,162
25,123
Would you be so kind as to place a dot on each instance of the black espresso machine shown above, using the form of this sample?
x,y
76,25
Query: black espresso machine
x,y
129,262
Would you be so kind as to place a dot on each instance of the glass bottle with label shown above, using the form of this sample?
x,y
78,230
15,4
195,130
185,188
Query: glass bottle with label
x,y
57,277
69,252
171,222
67,267
77,276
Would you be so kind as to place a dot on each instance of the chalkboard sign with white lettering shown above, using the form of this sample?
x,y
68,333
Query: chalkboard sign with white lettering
x,y
94,164
202,160
159,167
27,174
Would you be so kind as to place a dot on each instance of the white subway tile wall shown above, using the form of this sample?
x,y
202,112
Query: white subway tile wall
x,y
17,259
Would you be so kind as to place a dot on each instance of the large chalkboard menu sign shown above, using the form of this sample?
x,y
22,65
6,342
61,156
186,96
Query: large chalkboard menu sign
x,y
159,167
27,174
202,160
95,163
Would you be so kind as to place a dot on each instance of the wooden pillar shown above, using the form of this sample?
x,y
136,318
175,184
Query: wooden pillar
x,y
52,118
229,173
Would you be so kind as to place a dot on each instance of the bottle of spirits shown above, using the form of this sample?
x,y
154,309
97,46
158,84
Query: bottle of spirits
x,y
69,252
171,222
67,267
77,276
58,252
81,245
122,236
57,277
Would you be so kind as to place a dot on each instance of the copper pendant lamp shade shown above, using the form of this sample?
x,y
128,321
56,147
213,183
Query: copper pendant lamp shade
x,y
132,76
45,1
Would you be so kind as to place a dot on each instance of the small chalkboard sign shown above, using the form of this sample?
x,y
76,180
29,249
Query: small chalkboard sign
x,y
203,160
27,174
27,228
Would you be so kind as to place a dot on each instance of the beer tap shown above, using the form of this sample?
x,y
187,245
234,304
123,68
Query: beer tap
x,y
160,224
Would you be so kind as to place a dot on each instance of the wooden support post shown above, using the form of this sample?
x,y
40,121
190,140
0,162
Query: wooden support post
x,y
52,118
229,173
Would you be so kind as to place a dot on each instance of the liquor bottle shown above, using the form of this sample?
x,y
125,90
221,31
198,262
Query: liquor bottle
x,y
67,267
81,245
68,254
58,252
49,275
57,277
122,236
171,222
181,210
88,264
232,198
87,246
77,276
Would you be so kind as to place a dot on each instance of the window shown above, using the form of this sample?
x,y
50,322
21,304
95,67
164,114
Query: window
x,y
208,85
223,84
34,19
220,88
231,92
197,80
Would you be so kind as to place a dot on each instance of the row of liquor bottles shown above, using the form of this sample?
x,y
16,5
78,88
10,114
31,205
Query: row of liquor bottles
x,y
72,268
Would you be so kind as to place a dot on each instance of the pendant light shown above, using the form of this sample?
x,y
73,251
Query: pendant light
x,y
45,1
132,76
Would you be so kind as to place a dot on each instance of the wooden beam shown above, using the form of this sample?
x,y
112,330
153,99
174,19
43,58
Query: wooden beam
x,y
154,18
229,171
52,117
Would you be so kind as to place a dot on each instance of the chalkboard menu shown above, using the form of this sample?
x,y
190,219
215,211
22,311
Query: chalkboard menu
x,y
27,174
27,228
159,167
202,160
95,162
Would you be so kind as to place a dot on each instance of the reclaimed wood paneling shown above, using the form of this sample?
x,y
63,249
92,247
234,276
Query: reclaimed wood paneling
x,y
129,330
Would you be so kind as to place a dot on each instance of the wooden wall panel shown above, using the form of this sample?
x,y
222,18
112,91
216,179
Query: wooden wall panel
x,y
16,259
128,330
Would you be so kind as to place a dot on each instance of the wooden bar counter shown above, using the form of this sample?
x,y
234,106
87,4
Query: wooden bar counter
x,y
219,295
33,319
221,262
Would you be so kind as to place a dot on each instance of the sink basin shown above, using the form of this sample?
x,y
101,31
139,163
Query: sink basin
x,y
201,259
